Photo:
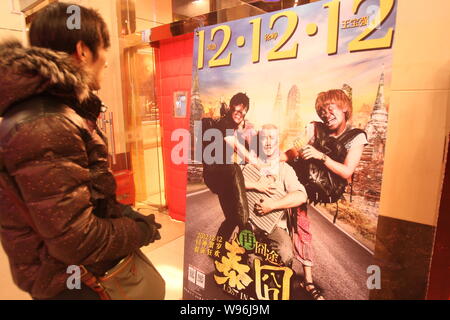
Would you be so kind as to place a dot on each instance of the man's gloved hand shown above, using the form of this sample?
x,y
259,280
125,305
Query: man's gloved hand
x,y
147,224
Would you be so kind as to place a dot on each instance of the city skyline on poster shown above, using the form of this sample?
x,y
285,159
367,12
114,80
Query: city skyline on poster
x,y
313,70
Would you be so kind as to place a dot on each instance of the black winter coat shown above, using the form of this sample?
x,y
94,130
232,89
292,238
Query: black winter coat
x,y
57,204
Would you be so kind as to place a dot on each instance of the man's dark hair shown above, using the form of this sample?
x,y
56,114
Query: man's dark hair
x,y
49,29
240,98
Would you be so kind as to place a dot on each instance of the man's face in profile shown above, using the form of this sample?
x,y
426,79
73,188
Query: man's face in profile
x,y
96,67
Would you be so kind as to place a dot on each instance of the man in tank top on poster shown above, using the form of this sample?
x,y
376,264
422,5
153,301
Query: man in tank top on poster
x,y
325,172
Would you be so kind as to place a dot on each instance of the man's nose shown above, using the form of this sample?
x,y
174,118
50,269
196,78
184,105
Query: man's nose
x,y
326,113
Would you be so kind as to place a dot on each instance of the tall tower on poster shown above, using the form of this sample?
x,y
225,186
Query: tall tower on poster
x,y
277,107
368,175
293,104
196,102
291,124
196,112
377,126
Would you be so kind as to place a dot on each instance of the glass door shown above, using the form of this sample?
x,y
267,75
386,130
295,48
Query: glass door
x,y
142,125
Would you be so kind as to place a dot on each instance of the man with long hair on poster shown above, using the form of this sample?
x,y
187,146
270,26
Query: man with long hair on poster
x,y
325,165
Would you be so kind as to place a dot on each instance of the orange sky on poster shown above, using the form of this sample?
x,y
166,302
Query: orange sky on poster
x,y
312,71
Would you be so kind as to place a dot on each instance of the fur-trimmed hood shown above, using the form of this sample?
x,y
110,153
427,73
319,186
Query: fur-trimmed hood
x,y
25,72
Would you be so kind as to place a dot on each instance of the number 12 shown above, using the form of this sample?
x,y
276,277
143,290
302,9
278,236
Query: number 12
x,y
360,43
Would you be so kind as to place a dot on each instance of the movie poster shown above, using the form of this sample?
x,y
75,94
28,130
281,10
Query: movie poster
x,y
289,114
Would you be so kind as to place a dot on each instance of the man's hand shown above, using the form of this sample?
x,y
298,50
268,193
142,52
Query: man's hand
x,y
231,140
147,223
309,152
265,206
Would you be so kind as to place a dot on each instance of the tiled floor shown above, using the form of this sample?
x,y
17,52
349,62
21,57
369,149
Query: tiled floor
x,y
166,254
8,290
168,259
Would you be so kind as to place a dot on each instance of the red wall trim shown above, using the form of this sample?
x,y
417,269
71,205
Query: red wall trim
x,y
174,73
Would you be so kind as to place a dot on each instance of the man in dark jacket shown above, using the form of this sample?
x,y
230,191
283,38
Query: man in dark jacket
x,y
224,176
57,193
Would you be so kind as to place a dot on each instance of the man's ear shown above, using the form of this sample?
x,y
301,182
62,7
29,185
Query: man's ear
x,y
80,51
344,108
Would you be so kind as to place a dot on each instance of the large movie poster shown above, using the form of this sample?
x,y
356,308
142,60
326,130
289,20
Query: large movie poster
x,y
289,115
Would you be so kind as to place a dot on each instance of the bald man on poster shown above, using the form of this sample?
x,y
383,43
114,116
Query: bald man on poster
x,y
282,174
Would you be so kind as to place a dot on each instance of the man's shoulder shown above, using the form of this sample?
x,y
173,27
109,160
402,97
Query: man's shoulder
x,y
353,136
34,109
290,178
286,168
39,105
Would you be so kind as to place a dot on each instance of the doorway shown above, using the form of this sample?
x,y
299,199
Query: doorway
x,y
142,125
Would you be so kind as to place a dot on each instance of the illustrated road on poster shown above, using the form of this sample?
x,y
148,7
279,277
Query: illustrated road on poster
x,y
340,263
